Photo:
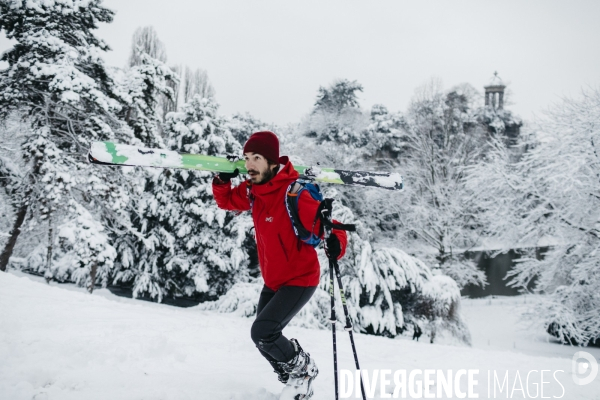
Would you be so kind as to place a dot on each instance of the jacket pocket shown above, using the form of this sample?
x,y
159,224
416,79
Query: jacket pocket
x,y
283,247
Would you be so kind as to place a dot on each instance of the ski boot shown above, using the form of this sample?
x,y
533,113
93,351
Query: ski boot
x,y
281,374
302,371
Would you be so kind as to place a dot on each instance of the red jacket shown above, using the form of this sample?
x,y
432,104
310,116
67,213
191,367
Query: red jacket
x,y
283,258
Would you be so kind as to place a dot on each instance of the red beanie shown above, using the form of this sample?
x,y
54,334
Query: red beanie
x,y
264,143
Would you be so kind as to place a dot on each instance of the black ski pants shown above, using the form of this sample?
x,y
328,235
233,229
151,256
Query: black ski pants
x,y
274,311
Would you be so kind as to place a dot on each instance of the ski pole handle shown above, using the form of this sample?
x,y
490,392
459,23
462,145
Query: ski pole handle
x,y
325,210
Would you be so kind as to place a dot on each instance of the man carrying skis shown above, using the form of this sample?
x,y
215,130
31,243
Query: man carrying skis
x,y
290,267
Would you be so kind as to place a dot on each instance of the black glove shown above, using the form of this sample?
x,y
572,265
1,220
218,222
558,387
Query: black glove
x,y
334,248
234,157
226,177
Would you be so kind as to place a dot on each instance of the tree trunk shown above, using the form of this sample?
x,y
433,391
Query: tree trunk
x,y
14,235
48,274
93,277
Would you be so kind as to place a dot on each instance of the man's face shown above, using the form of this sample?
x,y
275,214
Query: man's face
x,y
258,168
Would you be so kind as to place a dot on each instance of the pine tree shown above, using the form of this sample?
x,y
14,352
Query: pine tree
x,y
191,247
386,134
55,76
336,116
146,83
242,126
144,86
338,96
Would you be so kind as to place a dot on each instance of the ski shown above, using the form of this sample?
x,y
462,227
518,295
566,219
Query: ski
x,y
109,153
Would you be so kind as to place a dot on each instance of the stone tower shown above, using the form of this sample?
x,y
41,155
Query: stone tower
x,y
494,93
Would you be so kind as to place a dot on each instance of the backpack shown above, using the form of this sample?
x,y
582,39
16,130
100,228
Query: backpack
x,y
291,204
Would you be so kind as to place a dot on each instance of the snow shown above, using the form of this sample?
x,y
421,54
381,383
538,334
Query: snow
x,y
494,324
59,342
394,180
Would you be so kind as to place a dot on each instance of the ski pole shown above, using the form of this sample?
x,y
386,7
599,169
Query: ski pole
x,y
326,220
333,320
334,265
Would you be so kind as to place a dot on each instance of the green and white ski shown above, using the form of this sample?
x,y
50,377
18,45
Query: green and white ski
x,y
108,153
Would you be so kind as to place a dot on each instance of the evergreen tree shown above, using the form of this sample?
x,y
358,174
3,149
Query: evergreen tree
x,y
336,116
338,96
190,246
55,76
147,82
242,126
386,135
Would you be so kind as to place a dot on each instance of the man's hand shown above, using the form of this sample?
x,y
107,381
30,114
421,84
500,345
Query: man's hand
x,y
333,248
226,177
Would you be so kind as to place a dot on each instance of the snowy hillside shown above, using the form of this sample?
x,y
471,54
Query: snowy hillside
x,y
58,342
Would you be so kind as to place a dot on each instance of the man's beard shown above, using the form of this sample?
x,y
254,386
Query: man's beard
x,y
265,176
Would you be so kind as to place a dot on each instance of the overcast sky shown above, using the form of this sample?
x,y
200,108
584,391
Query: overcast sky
x,y
269,57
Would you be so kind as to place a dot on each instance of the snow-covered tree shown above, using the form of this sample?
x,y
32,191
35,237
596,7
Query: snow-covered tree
x,y
145,84
190,246
500,122
338,96
336,116
551,198
436,220
386,135
242,126
149,86
11,189
56,77
85,254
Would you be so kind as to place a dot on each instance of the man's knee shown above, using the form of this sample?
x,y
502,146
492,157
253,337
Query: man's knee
x,y
263,331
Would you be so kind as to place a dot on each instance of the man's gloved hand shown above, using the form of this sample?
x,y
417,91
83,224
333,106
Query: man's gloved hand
x,y
234,157
333,249
226,177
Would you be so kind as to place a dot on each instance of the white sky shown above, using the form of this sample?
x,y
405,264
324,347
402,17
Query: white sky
x,y
269,57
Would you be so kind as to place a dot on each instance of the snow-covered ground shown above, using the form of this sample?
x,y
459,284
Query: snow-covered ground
x,y
495,325
58,342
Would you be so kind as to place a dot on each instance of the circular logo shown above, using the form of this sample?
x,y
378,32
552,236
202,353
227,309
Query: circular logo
x,y
584,372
